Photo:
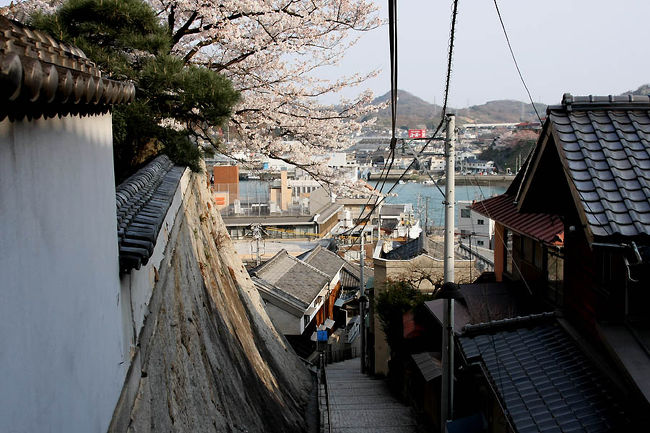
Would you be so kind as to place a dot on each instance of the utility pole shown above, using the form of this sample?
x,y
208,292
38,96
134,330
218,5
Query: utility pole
x,y
362,303
447,397
257,235
426,217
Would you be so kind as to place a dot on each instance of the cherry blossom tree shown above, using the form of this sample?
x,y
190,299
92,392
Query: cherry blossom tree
x,y
272,51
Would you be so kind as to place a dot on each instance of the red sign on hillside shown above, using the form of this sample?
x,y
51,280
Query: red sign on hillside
x,y
417,133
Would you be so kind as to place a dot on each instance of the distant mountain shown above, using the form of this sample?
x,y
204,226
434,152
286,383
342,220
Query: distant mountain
x,y
414,112
643,90
501,111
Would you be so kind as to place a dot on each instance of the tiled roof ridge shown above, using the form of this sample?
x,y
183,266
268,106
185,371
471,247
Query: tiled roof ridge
x,y
142,203
278,292
297,260
270,261
593,102
41,76
311,253
326,251
606,155
514,322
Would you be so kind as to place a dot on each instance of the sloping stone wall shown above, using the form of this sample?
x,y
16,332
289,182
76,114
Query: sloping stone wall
x,y
209,357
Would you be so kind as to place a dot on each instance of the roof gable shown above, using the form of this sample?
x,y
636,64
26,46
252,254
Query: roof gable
x,y
293,276
604,147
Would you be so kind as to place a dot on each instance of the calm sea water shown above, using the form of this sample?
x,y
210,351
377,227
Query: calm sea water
x,y
417,193
409,192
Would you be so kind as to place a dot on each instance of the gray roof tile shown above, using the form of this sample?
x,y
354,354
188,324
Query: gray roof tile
x,y
545,382
324,260
605,144
142,203
41,76
292,276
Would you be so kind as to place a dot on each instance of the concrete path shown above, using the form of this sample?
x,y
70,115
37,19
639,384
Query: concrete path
x,y
361,404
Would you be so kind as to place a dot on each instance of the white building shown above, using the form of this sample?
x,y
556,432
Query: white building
x,y
475,229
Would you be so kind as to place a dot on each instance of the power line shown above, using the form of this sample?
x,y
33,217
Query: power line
x,y
393,54
514,59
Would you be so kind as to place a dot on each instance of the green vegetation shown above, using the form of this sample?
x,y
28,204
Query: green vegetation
x,y
176,105
391,304
506,157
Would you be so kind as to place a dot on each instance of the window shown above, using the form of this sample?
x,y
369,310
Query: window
x,y
465,213
480,243
480,222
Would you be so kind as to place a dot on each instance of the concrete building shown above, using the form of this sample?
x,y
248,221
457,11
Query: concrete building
x,y
225,184
476,230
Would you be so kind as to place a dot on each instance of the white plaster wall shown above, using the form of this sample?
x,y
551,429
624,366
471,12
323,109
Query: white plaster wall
x,y
61,352
285,322
137,287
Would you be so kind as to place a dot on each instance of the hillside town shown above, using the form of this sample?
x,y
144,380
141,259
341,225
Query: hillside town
x,y
175,260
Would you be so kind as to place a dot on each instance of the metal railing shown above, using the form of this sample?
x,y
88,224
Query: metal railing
x,y
323,381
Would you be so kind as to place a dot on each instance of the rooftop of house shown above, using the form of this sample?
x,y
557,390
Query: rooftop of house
x,y
42,76
142,203
545,227
543,380
324,260
331,263
324,213
482,302
605,147
292,276
602,144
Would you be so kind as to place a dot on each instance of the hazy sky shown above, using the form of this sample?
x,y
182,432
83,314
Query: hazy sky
x,y
577,46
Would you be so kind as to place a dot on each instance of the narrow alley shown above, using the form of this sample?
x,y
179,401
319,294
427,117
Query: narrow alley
x,y
360,403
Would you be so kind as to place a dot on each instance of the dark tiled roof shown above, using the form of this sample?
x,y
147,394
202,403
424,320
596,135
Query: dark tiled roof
x,y
420,245
293,276
604,143
489,301
410,249
544,381
428,365
324,260
544,227
40,76
142,203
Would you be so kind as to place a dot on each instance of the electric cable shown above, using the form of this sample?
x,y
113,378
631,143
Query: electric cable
x,y
514,59
393,25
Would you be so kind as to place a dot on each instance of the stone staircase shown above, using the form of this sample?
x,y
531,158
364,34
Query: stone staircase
x,y
361,404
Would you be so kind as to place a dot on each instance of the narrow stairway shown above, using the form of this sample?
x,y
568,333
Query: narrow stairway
x,y
362,404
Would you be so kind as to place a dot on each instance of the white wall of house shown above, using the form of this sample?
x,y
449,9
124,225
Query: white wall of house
x,y
480,227
62,352
285,322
